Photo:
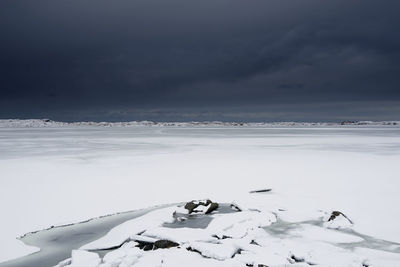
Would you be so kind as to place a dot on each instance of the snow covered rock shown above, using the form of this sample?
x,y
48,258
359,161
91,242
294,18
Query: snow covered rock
x,y
337,220
205,207
214,251
164,244
157,244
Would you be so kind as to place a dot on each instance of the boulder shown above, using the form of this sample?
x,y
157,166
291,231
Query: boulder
x,y
159,244
213,206
165,244
192,205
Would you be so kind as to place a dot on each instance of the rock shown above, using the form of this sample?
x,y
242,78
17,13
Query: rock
x,y
235,207
261,191
213,206
146,246
165,244
337,220
193,250
192,205
221,237
208,202
336,214
294,259
254,243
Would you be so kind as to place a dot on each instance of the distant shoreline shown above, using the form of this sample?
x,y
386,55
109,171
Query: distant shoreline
x,y
37,123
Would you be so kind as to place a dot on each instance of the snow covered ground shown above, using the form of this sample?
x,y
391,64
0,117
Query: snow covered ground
x,y
56,175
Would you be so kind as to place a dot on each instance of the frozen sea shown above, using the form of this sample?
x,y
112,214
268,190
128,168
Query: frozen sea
x,y
58,175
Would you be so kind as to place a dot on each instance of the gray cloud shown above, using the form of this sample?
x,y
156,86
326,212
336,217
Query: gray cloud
x,y
94,57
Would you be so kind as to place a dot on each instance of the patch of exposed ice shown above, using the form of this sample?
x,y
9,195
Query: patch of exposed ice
x,y
320,234
122,233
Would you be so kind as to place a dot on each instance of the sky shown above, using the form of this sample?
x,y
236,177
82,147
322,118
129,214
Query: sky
x,y
183,60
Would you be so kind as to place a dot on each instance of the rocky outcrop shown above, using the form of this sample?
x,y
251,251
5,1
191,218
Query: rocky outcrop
x,y
159,244
195,206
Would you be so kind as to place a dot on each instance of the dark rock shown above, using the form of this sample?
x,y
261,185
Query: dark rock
x,y
222,237
208,202
239,251
261,191
213,206
297,259
235,207
254,243
148,247
335,214
144,245
191,206
164,244
193,250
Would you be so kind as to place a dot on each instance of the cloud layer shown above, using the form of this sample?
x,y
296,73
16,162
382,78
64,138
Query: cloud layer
x,y
64,59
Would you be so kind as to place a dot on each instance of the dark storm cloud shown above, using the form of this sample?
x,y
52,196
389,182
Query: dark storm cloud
x,y
271,60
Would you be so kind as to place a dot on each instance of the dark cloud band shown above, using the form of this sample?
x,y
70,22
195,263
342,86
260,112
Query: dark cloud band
x,y
60,57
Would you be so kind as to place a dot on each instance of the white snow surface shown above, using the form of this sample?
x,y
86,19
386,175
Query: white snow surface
x,y
60,174
81,258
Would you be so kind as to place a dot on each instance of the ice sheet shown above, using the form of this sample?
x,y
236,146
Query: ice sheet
x,y
56,175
